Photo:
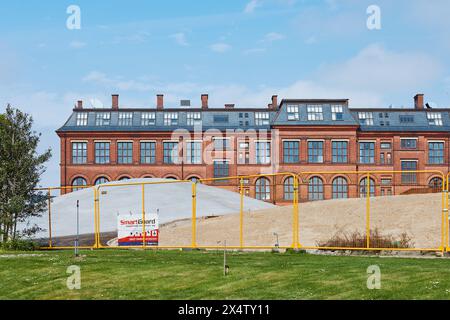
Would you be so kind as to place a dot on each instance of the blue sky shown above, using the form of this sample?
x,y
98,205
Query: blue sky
x,y
237,51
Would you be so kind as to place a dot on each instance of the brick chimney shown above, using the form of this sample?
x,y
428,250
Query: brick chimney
x,y
274,102
418,101
204,101
115,101
159,101
79,104
229,106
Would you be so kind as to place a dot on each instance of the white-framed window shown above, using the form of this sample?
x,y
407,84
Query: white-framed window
x,y
262,152
125,119
194,118
262,118
103,119
171,118
337,113
82,119
314,113
434,118
292,112
148,119
194,152
366,118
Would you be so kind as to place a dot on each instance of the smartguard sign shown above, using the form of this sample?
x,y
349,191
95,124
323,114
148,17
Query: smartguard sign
x,y
130,230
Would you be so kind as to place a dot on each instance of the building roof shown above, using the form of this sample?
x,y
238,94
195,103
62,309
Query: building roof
x,y
308,112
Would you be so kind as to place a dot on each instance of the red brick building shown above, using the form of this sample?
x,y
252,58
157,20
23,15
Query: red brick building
x,y
317,136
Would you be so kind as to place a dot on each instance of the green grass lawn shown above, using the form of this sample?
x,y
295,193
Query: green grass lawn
x,y
136,274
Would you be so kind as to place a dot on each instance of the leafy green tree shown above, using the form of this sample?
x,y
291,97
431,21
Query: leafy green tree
x,y
21,167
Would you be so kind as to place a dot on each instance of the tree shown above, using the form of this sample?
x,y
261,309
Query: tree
x,y
20,170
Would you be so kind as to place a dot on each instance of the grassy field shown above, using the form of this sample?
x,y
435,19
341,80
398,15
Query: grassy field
x,y
135,274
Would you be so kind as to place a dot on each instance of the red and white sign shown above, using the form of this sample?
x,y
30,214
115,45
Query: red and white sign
x,y
130,230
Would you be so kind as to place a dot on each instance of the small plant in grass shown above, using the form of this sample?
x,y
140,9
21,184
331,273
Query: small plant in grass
x,y
357,239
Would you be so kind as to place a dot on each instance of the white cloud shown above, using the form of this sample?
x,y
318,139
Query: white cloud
x,y
220,47
77,44
369,78
377,69
251,6
180,39
273,36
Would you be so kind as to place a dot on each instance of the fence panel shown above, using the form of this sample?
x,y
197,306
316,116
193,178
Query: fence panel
x,y
70,212
393,210
407,212
332,211
139,204
250,220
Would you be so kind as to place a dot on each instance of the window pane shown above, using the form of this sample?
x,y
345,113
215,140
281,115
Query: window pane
x,y
79,152
291,151
102,152
339,151
315,151
148,152
170,152
124,152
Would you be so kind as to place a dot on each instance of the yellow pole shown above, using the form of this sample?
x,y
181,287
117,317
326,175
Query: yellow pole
x,y
49,218
194,215
143,217
368,211
296,214
241,215
445,214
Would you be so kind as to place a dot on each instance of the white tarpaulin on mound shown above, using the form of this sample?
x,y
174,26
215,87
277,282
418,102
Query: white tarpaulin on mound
x,y
171,201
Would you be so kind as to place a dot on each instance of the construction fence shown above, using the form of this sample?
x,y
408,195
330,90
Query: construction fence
x,y
367,210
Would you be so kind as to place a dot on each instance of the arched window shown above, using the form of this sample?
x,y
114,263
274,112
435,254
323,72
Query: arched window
x,y
288,187
124,179
315,189
436,184
171,178
340,188
263,189
363,190
77,182
101,180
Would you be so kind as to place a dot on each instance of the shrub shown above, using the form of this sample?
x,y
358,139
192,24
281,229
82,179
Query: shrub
x,y
19,245
357,239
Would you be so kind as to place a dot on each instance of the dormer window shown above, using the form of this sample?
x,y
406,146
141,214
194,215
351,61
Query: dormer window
x,y
366,118
262,118
103,119
337,113
125,119
314,113
292,113
82,119
170,118
194,118
148,119
434,118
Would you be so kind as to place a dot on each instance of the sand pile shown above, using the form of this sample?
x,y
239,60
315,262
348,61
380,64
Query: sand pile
x,y
419,216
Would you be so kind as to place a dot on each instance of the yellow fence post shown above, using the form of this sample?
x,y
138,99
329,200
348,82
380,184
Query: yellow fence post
x,y
49,217
194,215
241,214
445,209
296,214
368,210
144,236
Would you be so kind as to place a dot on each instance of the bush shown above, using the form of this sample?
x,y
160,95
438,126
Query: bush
x,y
357,239
19,245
